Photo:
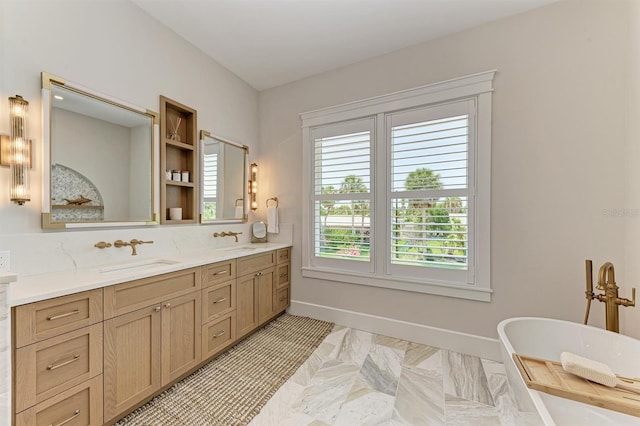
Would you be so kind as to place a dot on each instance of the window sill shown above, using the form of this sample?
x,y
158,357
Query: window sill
x,y
440,289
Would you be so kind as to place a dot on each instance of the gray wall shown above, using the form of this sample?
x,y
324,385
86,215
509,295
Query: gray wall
x,y
558,160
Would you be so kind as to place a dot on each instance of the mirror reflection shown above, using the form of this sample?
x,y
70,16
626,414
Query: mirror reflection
x,y
100,158
259,232
223,181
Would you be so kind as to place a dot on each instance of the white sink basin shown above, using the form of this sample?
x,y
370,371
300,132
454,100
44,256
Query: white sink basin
x,y
241,248
137,266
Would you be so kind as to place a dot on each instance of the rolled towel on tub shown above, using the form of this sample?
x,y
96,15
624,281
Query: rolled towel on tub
x,y
272,220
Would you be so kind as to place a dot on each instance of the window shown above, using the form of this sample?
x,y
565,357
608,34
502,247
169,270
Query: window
x,y
399,190
341,192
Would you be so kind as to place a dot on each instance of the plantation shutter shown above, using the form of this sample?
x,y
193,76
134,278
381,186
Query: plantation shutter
x,y
210,176
431,190
342,193
210,184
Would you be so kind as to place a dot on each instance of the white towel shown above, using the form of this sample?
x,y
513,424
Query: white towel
x,y
272,220
239,212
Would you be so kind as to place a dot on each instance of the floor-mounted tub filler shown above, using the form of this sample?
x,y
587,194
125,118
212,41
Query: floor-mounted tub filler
x,y
547,339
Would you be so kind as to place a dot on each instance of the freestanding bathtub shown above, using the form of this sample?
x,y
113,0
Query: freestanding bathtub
x,y
547,338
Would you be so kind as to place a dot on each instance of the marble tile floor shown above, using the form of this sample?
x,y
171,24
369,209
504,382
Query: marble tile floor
x,y
359,378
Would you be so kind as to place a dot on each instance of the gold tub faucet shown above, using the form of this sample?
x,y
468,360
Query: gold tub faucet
x,y
607,283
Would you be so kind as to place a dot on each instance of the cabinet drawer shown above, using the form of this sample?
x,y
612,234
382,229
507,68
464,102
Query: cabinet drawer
x,y
78,406
218,300
128,297
283,255
218,334
282,299
41,320
217,273
282,275
250,264
47,368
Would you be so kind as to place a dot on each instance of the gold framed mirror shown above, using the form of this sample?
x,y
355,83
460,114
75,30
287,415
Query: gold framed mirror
x,y
223,180
100,157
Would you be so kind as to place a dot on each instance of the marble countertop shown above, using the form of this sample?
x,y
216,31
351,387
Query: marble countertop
x,y
34,288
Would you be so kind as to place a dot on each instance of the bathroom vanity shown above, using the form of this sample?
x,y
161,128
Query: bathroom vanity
x,y
91,345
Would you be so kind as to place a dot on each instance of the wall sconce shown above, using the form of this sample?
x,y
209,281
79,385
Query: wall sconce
x,y
5,152
253,186
19,153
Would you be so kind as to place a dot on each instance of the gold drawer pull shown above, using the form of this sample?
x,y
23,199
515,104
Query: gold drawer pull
x,y
283,298
215,336
221,272
64,422
68,314
62,364
222,299
283,275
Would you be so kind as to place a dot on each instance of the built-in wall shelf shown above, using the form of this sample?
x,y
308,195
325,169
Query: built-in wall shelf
x,y
75,206
179,145
178,183
178,152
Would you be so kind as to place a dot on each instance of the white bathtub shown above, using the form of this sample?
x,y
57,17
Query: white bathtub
x,y
547,338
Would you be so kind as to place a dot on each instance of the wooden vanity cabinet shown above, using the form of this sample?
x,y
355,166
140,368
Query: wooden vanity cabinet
x,y
283,286
263,288
57,372
219,299
89,358
150,347
255,285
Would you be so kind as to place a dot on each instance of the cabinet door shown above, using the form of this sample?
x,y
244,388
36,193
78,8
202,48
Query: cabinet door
x,y
247,318
181,334
131,359
265,289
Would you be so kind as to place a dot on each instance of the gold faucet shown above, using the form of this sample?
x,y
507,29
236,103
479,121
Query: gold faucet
x,y
133,243
227,234
607,283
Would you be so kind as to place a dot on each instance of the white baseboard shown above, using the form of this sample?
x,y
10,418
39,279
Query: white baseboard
x,y
482,347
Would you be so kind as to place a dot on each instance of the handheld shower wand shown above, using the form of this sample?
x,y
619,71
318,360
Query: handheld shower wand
x,y
589,292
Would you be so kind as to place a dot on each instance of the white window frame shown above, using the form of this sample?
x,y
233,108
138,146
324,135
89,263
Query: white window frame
x,y
476,88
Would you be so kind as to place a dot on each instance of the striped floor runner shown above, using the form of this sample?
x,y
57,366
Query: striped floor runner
x,y
231,389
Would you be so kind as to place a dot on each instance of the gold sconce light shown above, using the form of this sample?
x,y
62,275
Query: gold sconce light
x,y
5,152
19,150
253,186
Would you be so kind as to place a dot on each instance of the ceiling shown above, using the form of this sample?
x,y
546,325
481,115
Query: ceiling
x,y
268,43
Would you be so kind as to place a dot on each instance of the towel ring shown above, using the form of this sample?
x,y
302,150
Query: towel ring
x,y
236,203
272,199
